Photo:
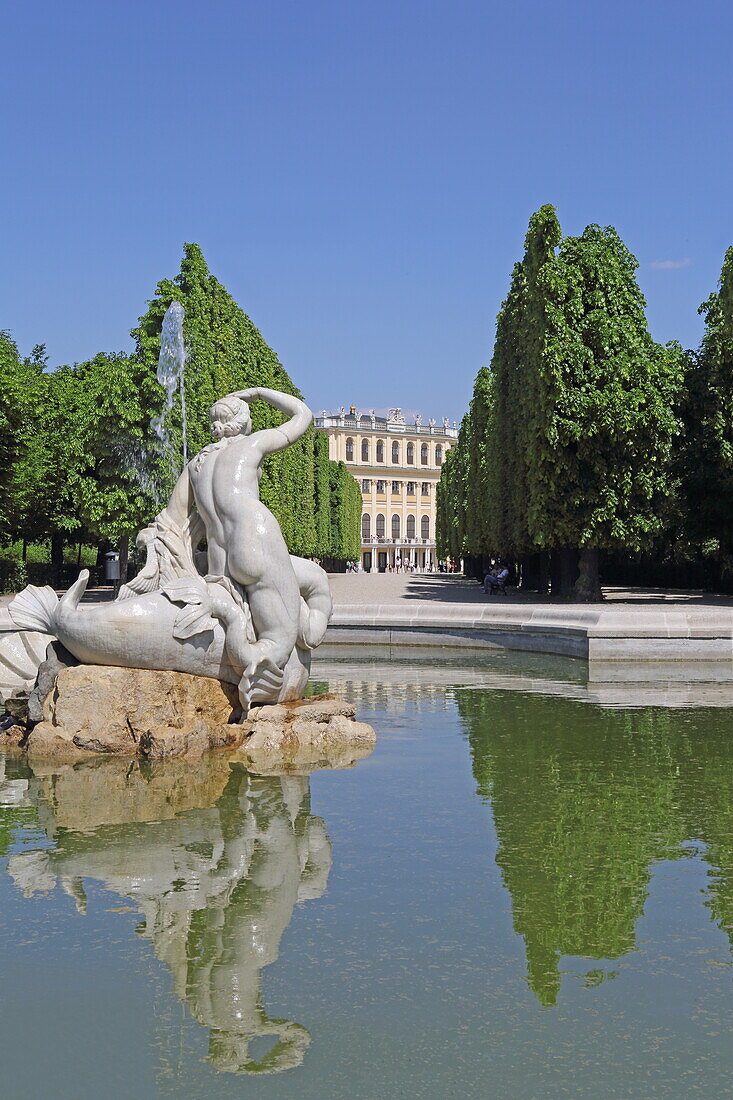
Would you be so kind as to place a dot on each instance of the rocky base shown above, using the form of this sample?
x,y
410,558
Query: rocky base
x,y
132,712
304,735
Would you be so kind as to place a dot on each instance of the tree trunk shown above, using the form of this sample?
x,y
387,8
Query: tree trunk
x,y
25,550
124,557
530,566
588,584
563,571
543,580
57,558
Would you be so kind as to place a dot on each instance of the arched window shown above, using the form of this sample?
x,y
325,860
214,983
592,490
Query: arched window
x,y
411,454
380,526
365,450
424,454
425,527
366,526
395,452
395,527
438,455
410,527
380,450
349,450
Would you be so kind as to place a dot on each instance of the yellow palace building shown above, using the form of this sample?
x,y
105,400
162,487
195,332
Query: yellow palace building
x,y
397,466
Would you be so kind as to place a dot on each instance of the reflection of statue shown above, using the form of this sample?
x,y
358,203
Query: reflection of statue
x,y
255,616
217,885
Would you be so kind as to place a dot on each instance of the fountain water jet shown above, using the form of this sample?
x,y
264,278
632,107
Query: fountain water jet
x,y
170,373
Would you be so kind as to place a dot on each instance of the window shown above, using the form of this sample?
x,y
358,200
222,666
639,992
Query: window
x,y
425,527
410,527
396,487
410,488
380,486
438,455
425,489
424,454
380,450
366,526
366,485
395,527
349,450
395,452
411,454
365,450
380,526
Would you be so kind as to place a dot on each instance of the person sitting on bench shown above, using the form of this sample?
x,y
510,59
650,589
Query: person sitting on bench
x,y
496,582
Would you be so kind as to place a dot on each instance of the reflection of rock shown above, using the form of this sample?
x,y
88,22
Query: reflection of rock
x,y
111,791
217,883
132,711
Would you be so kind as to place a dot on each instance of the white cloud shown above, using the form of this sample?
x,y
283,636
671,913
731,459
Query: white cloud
x,y
670,265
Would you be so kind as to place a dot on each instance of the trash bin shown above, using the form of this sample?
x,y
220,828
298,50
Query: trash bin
x,y
112,566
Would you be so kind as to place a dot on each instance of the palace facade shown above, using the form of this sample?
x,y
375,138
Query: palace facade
x,y
397,466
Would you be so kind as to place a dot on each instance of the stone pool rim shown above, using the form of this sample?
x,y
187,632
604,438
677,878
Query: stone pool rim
x,y
627,632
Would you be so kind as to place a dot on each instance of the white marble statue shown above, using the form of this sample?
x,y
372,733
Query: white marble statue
x,y
249,614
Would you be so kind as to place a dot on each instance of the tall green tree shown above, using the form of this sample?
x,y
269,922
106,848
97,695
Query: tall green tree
x,y
600,463
481,516
226,352
38,503
345,514
577,426
14,409
452,504
707,458
113,481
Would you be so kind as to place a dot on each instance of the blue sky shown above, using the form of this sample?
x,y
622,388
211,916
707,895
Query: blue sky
x,y
359,175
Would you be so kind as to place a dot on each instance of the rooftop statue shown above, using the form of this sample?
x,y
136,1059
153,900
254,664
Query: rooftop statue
x,y
250,617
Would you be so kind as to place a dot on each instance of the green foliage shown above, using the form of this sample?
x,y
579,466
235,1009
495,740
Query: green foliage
x,y
604,397
452,496
707,458
345,514
225,352
482,505
76,454
569,438
322,493
106,405
24,463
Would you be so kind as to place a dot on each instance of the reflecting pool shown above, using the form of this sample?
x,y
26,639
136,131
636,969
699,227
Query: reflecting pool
x,y
526,890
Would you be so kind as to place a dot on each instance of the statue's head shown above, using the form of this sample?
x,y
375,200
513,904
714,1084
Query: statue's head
x,y
230,416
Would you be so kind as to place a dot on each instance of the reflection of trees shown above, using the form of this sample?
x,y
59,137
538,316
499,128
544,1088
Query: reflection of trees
x,y
584,800
217,886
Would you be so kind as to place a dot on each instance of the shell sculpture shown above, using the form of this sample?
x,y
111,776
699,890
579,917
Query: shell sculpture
x,y
21,654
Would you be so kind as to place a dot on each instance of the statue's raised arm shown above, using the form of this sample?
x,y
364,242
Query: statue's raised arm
x,y
277,439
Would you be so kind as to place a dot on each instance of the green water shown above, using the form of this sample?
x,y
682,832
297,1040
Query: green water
x,y
521,893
